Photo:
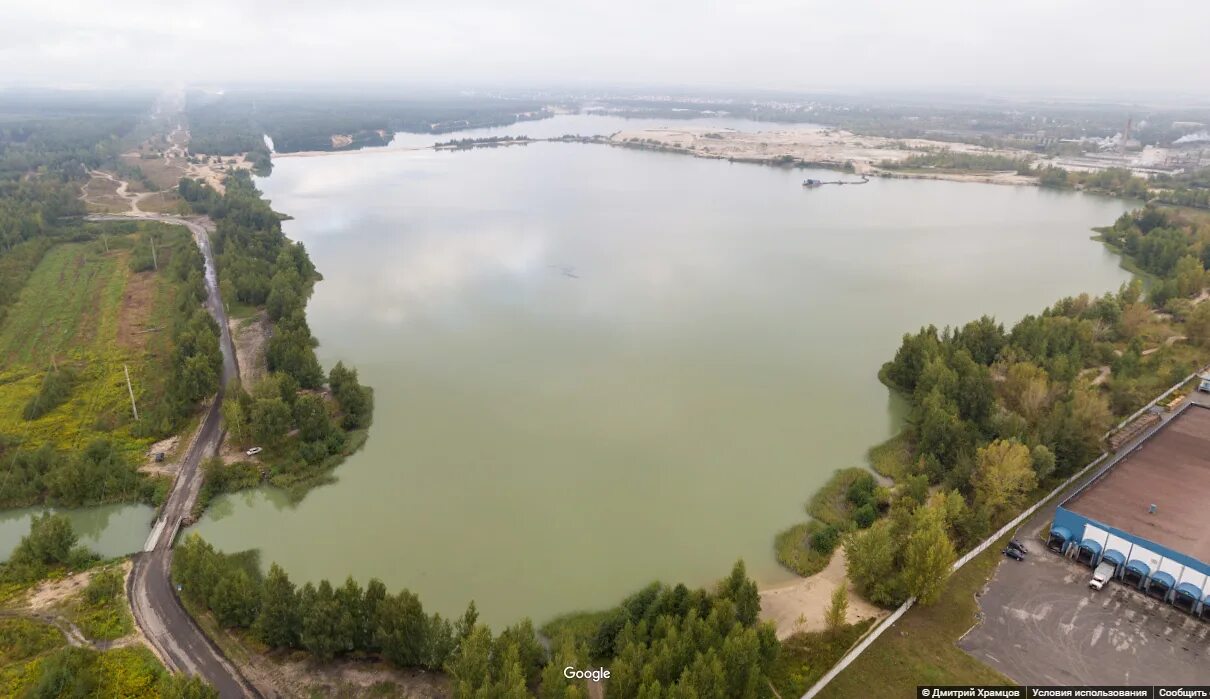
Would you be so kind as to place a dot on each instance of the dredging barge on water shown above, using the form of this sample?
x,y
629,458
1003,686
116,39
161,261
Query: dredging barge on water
x,y
809,182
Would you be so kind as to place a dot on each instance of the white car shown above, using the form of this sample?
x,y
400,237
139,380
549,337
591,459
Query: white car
x,y
254,451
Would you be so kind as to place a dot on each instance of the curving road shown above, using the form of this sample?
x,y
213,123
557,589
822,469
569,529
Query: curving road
x,y
158,611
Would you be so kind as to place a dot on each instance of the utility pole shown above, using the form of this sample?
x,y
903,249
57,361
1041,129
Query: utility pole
x,y
106,241
130,388
153,260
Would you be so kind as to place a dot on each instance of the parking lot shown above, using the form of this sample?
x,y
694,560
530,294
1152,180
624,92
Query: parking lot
x,y
1043,625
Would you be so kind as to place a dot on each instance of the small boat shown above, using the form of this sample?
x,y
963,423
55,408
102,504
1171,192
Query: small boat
x,y
811,183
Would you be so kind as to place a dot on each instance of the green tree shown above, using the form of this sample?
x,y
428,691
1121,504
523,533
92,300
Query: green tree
x,y
402,630
567,653
510,678
352,626
530,653
270,420
1190,276
835,616
1026,390
470,668
1043,461
1004,475
320,632
743,593
278,623
870,558
235,599
50,541
311,417
928,555
1198,327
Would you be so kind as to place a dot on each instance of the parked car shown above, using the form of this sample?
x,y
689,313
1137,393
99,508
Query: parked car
x,y
254,451
1018,546
1013,553
1204,384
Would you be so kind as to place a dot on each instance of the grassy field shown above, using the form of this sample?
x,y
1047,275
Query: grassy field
x,y
922,647
83,310
131,672
22,639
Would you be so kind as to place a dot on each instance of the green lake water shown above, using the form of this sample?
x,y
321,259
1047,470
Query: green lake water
x,y
596,367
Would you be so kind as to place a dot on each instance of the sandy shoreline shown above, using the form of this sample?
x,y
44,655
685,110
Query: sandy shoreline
x,y
823,148
800,605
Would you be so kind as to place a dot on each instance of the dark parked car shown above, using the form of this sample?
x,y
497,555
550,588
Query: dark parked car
x,y
1013,553
1018,546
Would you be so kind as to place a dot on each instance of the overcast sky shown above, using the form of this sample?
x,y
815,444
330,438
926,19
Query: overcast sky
x,y
1108,47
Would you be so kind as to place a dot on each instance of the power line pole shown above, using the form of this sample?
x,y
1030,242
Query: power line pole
x,y
153,260
130,388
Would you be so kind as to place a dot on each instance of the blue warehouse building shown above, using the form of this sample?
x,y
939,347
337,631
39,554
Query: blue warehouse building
x,y
1148,514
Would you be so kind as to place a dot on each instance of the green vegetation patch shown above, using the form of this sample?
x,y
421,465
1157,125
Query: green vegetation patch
x,y
959,161
22,639
82,317
805,657
922,648
848,490
101,611
797,551
893,458
132,672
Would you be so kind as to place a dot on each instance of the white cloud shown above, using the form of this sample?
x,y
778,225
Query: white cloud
x,y
1033,44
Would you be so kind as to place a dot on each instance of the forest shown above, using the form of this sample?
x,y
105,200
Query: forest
x,y
259,267
999,415
296,121
661,642
956,160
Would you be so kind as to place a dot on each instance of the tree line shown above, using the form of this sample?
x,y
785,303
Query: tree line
x,y
259,266
948,159
996,414
662,641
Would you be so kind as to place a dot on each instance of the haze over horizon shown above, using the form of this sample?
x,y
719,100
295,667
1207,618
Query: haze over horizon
x,y
1085,48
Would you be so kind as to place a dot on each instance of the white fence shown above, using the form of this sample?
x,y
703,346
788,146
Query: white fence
x,y
983,546
970,555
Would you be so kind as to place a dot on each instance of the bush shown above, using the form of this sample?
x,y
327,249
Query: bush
x,y
834,502
865,515
55,390
824,541
861,491
103,587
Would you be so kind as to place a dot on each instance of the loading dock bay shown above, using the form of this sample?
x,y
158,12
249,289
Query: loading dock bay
x,y
1043,625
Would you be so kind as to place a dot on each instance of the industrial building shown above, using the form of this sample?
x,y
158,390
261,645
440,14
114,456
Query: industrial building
x,y
1148,513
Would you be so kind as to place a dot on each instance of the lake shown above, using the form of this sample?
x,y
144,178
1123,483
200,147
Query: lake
x,y
596,367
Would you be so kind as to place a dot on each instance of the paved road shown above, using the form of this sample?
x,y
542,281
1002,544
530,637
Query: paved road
x,y
157,609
